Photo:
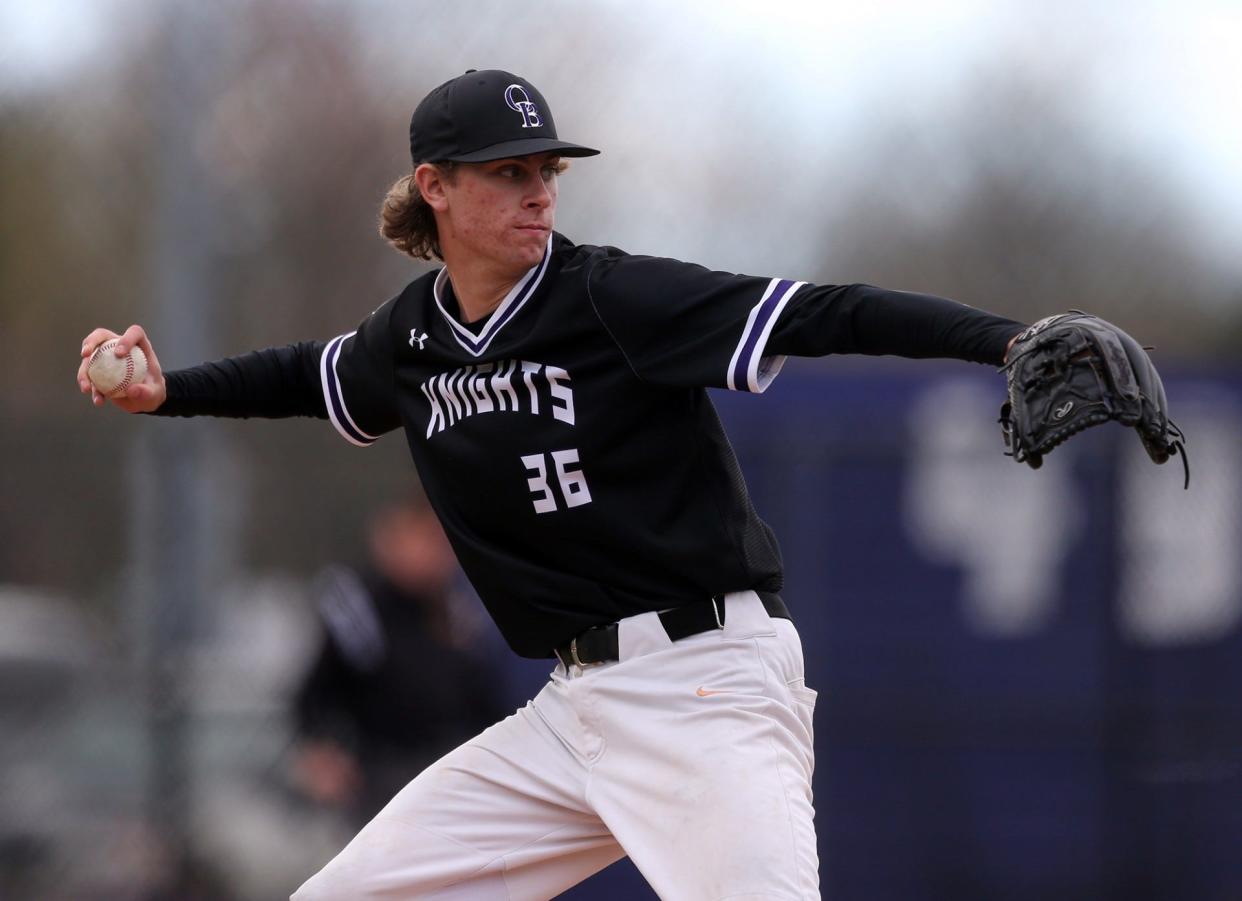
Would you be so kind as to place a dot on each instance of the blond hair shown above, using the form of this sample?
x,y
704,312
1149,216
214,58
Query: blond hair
x,y
408,222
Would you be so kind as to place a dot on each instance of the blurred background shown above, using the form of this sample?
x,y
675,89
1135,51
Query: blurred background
x,y
1031,683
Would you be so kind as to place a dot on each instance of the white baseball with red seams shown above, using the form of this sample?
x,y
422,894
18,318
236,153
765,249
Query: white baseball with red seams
x,y
112,375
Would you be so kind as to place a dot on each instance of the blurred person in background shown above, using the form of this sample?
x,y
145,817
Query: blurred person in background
x,y
400,676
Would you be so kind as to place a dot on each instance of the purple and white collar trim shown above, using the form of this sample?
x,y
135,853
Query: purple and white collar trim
x,y
750,370
474,343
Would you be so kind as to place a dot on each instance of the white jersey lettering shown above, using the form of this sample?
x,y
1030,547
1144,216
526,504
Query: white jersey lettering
x,y
462,382
451,403
457,395
528,371
502,384
555,376
436,421
478,388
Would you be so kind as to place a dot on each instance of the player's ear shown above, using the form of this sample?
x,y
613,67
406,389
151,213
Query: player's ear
x,y
431,181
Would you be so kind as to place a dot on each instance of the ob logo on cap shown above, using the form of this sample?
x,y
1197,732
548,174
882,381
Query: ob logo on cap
x,y
470,119
530,113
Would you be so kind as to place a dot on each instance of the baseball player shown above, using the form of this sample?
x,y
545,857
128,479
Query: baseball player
x,y
553,398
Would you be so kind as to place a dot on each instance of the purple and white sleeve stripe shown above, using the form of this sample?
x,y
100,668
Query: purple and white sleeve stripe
x,y
750,370
335,400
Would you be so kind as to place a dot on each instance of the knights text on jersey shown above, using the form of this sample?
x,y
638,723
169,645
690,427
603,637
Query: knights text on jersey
x,y
566,441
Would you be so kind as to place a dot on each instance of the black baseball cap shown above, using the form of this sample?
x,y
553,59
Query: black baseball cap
x,y
485,115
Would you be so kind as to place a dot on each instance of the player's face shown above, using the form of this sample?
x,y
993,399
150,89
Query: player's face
x,y
501,211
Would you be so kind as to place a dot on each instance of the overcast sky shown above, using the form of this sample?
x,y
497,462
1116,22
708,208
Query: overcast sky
x,y
1164,79
1167,76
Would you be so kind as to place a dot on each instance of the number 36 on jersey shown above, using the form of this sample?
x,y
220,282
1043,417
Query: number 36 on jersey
x,y
559,467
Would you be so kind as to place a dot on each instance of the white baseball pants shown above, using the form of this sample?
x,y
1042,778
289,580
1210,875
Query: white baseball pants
x,y
694,758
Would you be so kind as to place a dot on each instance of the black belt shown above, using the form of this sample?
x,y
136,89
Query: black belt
x,y
598,644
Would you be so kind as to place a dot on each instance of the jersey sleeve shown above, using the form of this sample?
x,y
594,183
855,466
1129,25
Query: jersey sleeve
x,y
356,376
273,383
863,319
681,324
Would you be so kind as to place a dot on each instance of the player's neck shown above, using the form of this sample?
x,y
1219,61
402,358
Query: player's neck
x,y
479,289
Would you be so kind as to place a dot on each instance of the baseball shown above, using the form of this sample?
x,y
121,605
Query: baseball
x,y
111,374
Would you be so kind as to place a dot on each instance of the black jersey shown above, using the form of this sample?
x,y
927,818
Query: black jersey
x,y
567,443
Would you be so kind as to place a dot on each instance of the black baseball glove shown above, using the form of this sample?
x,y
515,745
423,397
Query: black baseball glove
x,y
1071,371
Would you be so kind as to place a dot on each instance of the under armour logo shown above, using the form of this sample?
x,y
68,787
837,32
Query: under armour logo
x,y
519,101
415,336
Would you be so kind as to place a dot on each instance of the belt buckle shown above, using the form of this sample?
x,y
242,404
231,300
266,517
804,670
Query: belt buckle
x,y
573,653
573,650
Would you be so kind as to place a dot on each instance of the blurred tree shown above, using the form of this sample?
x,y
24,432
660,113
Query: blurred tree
x,y
1018,201
1011,196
